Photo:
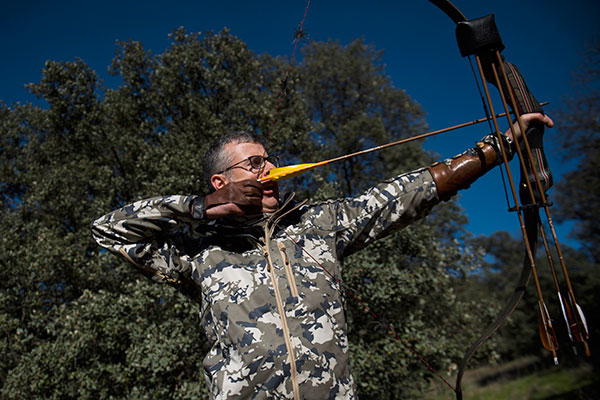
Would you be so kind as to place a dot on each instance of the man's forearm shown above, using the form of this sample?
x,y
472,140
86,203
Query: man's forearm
x,y
461,171
142,220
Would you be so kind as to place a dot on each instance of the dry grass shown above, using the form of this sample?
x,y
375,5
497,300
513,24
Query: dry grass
x,y
523,379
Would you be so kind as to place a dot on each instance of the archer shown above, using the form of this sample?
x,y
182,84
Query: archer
x,y
273,315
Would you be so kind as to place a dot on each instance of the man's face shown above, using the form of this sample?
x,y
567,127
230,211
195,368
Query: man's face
x,y
240,152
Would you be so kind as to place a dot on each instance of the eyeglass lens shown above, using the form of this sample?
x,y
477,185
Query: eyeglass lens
x,y
257,162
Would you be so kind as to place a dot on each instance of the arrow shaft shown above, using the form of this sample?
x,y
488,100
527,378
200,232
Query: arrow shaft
x,y
417,137
278,175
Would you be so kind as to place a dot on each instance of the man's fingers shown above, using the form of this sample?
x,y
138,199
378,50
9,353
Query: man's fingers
x,y
252,189
544,119
247,195
243,193
528,119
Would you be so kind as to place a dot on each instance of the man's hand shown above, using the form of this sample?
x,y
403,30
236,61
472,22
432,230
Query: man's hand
x,y
235,199
528,120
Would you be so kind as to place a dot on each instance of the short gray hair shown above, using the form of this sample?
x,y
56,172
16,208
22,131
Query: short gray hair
x,y
216,159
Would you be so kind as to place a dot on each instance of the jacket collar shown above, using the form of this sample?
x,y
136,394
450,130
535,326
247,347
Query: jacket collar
x,y
254,225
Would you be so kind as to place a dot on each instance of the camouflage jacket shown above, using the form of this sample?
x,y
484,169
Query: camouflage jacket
x,y
274,317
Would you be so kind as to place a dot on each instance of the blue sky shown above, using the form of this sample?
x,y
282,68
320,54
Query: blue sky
x,y
546,39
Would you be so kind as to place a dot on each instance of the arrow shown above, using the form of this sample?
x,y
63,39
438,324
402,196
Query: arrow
x,y
290,171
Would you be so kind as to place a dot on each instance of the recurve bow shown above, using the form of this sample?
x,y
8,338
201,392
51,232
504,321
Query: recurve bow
x,y
480,39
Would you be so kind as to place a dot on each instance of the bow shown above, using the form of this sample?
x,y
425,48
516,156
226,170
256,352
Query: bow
x,y
480,38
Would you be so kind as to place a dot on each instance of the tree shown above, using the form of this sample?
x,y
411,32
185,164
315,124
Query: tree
x,y
353,106
79,323
578,192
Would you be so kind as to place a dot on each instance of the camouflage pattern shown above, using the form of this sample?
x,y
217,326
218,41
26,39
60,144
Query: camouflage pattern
x,y
274,317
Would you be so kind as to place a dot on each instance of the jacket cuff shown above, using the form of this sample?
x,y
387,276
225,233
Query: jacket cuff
x,y
508,145
198,208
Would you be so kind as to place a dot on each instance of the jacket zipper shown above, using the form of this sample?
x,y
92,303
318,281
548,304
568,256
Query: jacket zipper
x,y
286,332
269,228
288,269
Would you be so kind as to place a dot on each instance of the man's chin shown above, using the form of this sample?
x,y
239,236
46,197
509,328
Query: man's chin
x,y
270,204
270,198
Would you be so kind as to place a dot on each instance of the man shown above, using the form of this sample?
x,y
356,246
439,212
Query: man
x,y
266,268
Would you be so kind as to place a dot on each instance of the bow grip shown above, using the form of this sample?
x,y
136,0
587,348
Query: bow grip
x,y
535,134
478,35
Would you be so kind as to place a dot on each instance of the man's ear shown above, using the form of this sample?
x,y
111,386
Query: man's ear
x,y
218,181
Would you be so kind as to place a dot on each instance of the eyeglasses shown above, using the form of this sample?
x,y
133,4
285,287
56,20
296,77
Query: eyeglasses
x,y
255,163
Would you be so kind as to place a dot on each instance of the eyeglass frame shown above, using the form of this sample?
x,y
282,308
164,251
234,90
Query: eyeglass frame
x,y
270,158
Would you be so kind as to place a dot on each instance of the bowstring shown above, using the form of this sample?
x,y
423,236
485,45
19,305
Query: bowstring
x,y
298,36
489,121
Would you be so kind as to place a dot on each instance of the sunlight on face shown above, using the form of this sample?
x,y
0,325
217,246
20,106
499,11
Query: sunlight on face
x,y
241,151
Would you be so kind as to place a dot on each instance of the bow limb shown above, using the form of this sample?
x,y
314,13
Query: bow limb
x,y
450,10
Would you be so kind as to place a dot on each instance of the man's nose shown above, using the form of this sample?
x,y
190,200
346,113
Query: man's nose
x,y
267,167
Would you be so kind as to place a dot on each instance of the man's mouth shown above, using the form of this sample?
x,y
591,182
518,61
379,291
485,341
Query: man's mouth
x,y
269,189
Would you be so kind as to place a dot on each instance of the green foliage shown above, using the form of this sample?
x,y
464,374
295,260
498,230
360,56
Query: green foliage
x,y
354,106
406,283
140,343
80,323
578,192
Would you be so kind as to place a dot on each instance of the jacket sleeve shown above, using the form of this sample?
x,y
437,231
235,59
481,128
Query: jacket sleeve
x,y
381,210
150,234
